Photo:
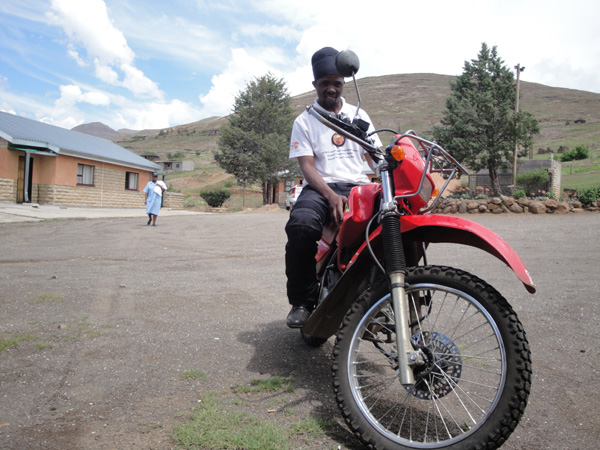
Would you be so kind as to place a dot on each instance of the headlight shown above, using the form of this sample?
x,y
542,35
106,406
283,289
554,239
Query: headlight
x,y
428,190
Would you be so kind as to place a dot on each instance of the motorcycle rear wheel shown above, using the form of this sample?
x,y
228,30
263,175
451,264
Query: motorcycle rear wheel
x,y
473,388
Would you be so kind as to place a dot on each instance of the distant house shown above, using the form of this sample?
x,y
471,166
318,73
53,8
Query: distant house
x,y
184,166
45,164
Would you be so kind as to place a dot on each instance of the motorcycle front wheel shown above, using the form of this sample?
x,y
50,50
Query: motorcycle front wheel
x,y
472,386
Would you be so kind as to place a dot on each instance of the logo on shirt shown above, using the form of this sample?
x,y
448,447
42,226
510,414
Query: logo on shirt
x,y
338,140
294,145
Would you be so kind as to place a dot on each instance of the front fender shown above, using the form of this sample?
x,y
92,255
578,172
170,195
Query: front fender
x,y
326,319
450,229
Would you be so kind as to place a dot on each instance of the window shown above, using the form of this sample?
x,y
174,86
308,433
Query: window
x,y
131,181
85,174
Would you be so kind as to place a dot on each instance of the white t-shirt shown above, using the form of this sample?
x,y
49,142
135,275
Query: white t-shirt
x,y
337,159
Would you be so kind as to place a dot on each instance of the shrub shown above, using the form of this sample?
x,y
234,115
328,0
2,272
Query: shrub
x,y
534,179
461,192
519,193
580,152
588,196
215,199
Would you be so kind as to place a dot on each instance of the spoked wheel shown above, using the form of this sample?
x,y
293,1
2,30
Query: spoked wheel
x,y
473,383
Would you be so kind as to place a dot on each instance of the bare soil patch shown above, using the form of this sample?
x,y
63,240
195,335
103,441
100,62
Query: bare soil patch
x,y
112,312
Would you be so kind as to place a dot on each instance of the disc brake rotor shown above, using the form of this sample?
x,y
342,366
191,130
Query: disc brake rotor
x,y
443,366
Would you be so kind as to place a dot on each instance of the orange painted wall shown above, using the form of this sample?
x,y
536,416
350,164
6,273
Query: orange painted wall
x,y
9,162
56,170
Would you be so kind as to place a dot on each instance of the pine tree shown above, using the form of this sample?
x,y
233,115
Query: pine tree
x,y
254,146
479,126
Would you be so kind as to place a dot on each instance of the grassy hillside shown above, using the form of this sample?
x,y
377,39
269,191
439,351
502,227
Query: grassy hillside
x,y
411,101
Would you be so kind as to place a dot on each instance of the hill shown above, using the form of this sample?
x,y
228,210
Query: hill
x,y
402,102
97,129
417,101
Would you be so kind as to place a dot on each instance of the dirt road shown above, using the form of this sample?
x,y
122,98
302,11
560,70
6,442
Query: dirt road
x,y
108,313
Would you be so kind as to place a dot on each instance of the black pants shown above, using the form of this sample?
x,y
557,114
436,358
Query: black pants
x,y
304,228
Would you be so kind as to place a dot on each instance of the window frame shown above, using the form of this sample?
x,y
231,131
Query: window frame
x,y
81,177
128,176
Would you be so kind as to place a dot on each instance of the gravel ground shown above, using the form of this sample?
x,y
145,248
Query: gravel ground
x,y
111,312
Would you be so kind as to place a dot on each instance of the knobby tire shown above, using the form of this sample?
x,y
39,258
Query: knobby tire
x,y
472,393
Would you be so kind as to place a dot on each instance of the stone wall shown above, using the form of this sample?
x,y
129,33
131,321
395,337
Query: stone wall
x,y
500,205
173,200
88,196
108,191
8,190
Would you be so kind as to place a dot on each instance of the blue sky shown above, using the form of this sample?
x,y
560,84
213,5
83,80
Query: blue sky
x,y
153,64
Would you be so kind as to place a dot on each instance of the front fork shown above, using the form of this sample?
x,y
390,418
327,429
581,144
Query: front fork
x,y
395,263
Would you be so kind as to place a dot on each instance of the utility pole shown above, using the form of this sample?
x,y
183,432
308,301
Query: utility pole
x,y
519,69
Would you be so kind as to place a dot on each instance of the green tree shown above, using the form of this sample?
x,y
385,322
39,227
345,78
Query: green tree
x,y
479,125
254,145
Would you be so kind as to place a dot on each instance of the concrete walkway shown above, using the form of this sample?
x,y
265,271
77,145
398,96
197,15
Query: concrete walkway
x,y
29,212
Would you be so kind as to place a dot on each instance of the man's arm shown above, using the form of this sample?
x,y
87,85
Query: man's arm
x,y
337,202
371,163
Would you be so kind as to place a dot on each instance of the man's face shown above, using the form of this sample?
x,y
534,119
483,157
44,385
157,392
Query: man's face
x,y
329,90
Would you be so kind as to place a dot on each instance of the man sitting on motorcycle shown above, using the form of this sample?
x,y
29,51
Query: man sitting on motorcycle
x,y
332,165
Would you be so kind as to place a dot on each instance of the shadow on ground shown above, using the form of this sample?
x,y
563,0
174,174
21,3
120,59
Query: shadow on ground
x,y
280,351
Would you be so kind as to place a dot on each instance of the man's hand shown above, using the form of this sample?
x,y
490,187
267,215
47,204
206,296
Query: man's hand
x,y
337,203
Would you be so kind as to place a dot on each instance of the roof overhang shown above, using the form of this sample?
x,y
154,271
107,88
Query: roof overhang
x,y
20,142
44,148
37,151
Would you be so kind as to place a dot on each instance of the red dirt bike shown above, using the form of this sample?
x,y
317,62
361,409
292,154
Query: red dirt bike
x,y
425,356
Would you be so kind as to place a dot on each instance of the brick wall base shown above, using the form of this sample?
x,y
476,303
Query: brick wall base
x,y
8,190
173,200
113,194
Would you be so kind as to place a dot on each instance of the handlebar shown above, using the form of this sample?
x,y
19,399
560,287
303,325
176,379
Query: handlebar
x,y
347,129
432,151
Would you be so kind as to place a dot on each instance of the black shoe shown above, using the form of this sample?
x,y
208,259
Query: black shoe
x,y
298,316
149,221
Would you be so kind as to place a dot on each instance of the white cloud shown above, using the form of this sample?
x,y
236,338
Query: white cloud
x,y
65,113
181,41
138,83
272,32
87,24
71,95
124,49
105,73
73,53
156,115
242,68
64,122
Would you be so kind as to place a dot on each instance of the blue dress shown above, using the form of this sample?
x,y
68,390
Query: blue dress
x,y
154,200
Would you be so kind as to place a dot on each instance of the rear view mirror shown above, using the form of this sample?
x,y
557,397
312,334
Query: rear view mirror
x,y
347,63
